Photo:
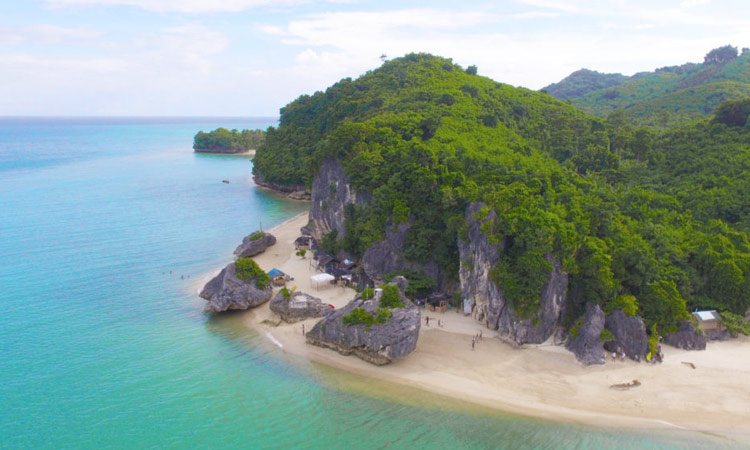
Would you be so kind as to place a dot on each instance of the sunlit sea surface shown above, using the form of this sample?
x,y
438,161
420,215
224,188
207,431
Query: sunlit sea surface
x,y
103,344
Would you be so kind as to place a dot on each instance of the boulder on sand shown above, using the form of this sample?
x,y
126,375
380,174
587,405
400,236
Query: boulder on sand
x,y
377,343
254,244
297,306
227,291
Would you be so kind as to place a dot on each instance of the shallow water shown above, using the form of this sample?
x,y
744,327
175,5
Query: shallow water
x,y
104,345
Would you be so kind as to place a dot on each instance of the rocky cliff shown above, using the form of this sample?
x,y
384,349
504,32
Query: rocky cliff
x,y
298,306
331,192
293,191
377,344
385,256
226,291
478,257
255,243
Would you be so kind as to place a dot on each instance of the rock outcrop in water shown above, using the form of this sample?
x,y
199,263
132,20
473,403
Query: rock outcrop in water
x,y
227,292
298,306
584,342
377,344
478,257
630,335
686,337
254,244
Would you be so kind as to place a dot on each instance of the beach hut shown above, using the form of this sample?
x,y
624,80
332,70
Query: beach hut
x,y
303,243
708,320
278,277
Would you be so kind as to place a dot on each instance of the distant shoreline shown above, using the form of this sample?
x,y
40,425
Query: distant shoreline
x,y
250,152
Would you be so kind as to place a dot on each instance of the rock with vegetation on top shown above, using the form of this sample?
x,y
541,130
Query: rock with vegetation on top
x,y
295,306
584,340
630,335
478,256
230,290
686,337
378,330
254,244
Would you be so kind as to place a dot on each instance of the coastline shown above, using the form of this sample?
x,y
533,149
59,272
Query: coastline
x,y
250,153
542,381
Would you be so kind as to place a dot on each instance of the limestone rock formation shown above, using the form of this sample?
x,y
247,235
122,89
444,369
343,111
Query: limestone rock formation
x,y
251,247
298,306
630,335
478,256
586,345
686,337
376,344
385,256
331,192
226,291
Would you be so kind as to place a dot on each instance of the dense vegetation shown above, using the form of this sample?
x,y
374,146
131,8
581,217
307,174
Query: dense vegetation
x,y
222,140
652,224
248,270
390,299
667,97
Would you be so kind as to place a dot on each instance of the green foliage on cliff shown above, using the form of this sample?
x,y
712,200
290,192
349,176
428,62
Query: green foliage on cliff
x,y
735,324
661,219
247,270
257,235
228,141
391,297
358,316
668,96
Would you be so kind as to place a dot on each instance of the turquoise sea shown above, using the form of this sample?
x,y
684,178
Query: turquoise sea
x,y
104,345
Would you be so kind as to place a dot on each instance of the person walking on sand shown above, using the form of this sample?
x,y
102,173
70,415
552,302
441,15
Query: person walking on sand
x,y
473,341
427,320
480,335
303,329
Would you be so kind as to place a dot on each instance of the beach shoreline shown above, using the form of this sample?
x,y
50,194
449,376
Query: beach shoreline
x,y
540,381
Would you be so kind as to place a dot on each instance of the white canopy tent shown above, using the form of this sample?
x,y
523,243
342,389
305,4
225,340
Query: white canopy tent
x,y
317,279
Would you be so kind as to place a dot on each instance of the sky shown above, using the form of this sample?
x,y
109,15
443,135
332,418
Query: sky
x,y
252,57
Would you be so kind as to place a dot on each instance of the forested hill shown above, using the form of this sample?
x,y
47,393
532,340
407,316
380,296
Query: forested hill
x,y
666,97
607,200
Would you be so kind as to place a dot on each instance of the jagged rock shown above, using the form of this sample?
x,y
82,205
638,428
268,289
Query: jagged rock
x,y
331,192
226,291
686,337
630,335
380,344
299,195
298,306
586,345
307,230
386,256
478,256
250,247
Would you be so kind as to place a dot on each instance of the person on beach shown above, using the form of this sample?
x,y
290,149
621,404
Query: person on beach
x,y
303,329
480,335
473,341
427,320
614,357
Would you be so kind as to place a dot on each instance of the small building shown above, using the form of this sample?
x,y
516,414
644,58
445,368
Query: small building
x,y
278,277
303,243
708,320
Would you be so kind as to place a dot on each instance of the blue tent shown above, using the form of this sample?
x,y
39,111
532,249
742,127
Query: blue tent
x,y
273,273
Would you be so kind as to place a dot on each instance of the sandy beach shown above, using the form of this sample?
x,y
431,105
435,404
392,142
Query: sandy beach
x,y
543,381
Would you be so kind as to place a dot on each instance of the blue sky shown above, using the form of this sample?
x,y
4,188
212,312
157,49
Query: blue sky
x,y
251,57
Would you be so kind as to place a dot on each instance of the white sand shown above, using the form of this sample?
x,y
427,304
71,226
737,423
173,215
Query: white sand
x,y
542,381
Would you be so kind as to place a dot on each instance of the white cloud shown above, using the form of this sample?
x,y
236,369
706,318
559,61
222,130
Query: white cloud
x,y
47,34
183,6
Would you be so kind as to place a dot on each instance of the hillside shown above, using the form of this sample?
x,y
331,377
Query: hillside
x,y
432,168
668,96
581,82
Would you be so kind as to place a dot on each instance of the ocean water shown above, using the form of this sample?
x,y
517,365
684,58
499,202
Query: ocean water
x,y
103,344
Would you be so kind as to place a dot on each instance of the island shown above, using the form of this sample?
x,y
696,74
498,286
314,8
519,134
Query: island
x,y
222,140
